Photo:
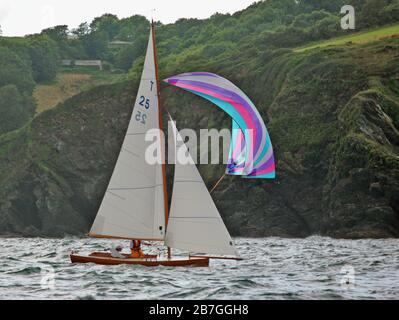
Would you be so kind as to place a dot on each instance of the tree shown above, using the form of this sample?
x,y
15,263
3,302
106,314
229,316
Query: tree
x,y
57,33
15,108
371,13
307,20
96,44
391,12
13,70
107,23
329,5
82,31
212,51
126,56
132,27
45,58
327,27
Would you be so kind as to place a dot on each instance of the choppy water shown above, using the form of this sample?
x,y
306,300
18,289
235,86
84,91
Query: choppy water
x,y
312,268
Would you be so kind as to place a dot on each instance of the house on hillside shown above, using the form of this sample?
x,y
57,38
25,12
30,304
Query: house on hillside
x,y
118,44
83,63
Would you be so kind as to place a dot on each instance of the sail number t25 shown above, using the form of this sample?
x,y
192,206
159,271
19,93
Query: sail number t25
x,y
146,103
141,116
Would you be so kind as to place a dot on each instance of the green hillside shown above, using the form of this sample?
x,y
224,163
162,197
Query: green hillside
x,y
332,113
334,125
357,38
187,44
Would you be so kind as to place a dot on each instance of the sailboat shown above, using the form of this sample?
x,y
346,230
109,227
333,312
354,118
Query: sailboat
x,y
135,204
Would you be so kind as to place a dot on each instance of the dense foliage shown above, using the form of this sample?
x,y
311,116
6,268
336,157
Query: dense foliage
x,y
15,108
23,63
16,86
273,23
188,44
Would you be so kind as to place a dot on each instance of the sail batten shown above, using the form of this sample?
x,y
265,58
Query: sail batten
x,y
194,223
133,206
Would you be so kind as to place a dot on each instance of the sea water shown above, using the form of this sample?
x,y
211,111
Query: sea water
x,y
273,268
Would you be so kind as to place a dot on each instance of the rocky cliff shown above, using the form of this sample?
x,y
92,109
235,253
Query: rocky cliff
x,y
333,116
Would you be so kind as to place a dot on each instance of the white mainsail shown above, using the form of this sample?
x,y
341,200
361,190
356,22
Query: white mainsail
x,y
133,206
194,223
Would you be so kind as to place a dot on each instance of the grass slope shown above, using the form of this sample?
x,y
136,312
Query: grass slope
x,y
361,37
69,83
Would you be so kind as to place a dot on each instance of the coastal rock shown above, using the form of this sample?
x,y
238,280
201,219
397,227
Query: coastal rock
x,y
333,120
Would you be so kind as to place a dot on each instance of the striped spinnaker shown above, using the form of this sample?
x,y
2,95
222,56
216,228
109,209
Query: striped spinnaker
x,y
251,152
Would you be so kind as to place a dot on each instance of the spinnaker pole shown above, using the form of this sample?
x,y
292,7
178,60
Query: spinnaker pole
x,y
217,183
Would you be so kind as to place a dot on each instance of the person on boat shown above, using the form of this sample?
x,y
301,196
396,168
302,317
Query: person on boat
x,y
135,247
117,252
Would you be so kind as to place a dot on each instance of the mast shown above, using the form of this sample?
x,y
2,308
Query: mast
x,y
165,191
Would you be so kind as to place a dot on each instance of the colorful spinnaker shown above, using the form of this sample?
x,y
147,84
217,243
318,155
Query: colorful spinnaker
x,y
251,152
236,159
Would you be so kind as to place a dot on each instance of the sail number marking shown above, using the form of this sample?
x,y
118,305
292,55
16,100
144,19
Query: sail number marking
x,y
140,115
144,102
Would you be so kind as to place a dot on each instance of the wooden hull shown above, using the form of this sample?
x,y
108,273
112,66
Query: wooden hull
x,y
104,258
